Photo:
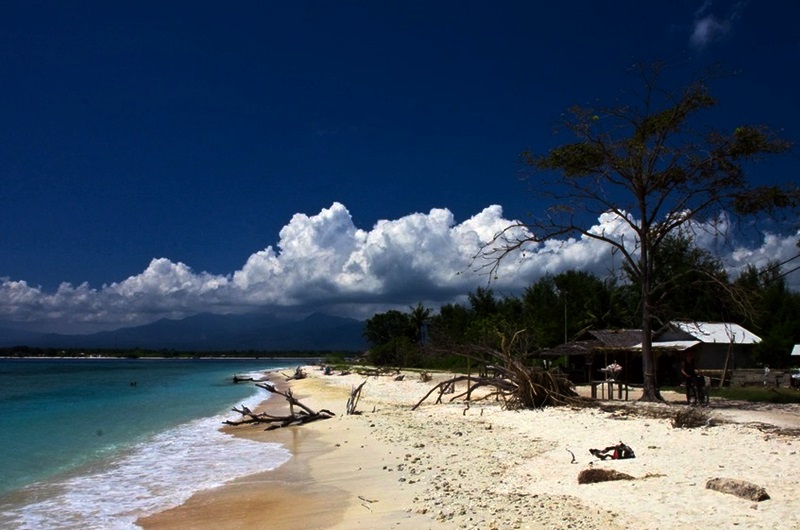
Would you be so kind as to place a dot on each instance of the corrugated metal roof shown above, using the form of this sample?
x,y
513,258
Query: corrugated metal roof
x,y
678,345
717,332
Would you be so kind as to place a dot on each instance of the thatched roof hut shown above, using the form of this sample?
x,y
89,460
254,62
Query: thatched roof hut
x,y
597,349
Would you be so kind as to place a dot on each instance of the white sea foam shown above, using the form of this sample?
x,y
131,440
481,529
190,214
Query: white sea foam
x,y
155,475
257,375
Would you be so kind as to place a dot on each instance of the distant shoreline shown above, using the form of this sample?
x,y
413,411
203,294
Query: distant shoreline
x,y
148,357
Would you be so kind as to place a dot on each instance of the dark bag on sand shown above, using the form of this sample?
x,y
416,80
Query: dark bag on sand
x,y
614,452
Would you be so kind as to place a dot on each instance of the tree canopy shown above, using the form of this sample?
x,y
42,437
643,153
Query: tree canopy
x,y
650,166
536,319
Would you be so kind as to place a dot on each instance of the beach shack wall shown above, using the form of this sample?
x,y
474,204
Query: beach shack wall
x,y
578,355
711,343
596,349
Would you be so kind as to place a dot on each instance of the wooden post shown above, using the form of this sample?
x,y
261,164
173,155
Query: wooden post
x,y
725,367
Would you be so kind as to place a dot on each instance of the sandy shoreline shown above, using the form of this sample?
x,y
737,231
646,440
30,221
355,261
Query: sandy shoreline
x,y
446,466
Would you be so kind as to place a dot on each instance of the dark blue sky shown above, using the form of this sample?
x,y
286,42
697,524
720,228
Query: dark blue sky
x,y
194,131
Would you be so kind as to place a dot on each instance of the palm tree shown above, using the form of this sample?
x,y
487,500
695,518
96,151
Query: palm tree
x,y
418,318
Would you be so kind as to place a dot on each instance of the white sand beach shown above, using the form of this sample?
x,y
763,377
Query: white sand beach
x,y
452,466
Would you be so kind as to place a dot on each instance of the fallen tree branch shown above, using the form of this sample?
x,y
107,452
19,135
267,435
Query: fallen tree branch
x,y
303,416
355,395
377,372
299,373
518,385
531,388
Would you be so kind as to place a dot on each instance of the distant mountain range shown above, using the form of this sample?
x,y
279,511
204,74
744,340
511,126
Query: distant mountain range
x,y
207,332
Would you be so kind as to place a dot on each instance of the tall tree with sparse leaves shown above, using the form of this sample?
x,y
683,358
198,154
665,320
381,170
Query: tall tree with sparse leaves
x,y
650,168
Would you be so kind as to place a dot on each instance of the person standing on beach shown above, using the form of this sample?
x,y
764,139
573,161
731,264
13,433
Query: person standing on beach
x,y
689,373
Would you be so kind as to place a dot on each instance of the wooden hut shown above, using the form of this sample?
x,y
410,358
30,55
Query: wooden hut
x,y
595,350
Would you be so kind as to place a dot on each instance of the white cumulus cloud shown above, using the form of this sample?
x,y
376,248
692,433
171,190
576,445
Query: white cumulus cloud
x,y
324,262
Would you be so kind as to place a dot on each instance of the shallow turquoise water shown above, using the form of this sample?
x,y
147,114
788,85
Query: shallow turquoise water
x,y
142,433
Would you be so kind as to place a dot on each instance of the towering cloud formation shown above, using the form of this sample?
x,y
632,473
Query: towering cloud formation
x,y
324,262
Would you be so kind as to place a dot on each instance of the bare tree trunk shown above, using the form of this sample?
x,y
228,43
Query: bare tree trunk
x,y
725,366
650,389
650,392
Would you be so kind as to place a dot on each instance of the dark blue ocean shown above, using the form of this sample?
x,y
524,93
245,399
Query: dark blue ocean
x,y
97,443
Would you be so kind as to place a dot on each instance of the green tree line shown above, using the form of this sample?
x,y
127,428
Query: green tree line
x,y
690,284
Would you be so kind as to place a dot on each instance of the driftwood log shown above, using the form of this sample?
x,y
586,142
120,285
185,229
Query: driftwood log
x,y
299,417
512,381
355,395
518,386
299,373
377,372
596,474
740,488
473,383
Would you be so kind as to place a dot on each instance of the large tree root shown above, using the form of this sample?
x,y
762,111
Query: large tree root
x,y
473,383
518,385
532,388
304,415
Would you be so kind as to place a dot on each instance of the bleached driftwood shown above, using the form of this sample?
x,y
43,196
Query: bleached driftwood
x,y
355,395
304,415
299,373
511,380
518,386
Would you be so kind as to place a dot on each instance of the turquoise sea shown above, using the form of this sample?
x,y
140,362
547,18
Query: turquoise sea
x,y
97,443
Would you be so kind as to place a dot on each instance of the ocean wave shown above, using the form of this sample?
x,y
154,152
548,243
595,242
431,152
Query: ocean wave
x,y
162,472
